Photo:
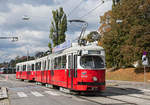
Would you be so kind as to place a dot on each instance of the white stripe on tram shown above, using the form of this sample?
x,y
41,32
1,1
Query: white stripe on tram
x,y
21,94
37,94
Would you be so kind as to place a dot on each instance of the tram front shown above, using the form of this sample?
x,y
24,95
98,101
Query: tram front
x,y
91,69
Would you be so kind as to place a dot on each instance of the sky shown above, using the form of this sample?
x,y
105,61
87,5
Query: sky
x,y
33,34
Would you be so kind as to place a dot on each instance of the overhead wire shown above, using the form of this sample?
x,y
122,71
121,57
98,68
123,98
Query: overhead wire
x,y
77,6
102,2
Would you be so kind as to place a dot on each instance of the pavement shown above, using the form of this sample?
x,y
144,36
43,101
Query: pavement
x,y
128,84
3,93
3,96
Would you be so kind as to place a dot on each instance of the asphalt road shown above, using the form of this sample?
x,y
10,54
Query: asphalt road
x,y
117,93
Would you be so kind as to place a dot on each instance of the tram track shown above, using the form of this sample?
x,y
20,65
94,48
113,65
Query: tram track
x,y
87,98
123,102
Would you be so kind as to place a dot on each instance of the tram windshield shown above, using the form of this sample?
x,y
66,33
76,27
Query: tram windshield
x,y
91,62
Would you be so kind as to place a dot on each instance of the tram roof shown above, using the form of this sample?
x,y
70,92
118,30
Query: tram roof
x,y
78,47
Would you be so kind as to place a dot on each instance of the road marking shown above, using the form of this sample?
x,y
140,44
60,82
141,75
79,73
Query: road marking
x,y
52,93
37,94
21,94
140,96
145,90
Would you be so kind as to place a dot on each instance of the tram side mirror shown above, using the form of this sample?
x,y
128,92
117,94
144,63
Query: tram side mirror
x,y
79,53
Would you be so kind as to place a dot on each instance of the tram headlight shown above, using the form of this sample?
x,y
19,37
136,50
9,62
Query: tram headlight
x,y
95,79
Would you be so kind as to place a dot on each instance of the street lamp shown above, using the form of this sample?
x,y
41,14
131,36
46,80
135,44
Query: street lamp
x,y
12,38
26,18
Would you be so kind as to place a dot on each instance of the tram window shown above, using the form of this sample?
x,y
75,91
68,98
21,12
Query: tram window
x,y
28,67
55,63
17,68
52,64
20,69
36,66
69,64
45,66
75,65
24,67
39,66
92,62
48,65
32,67
75,61
59,62
63,64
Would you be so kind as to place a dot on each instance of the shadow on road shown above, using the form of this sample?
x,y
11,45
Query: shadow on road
x,y
113,91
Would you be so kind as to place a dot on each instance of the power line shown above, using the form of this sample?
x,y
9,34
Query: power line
x,y
75,8
92,9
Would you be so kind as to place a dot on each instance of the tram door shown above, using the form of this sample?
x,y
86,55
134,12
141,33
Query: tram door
x,y
70,70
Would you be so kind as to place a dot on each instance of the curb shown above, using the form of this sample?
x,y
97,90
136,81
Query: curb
x,y
111,84
3,93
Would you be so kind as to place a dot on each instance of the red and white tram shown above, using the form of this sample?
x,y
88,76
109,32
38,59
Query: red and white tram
x,y
78,68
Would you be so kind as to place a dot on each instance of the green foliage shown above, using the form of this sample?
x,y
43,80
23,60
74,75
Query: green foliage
x,y
93,36
127,40
58,28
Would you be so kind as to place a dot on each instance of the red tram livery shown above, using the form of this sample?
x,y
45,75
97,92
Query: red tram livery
x,y
78,68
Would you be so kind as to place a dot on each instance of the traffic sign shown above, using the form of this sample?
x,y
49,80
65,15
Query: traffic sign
x,y
145,60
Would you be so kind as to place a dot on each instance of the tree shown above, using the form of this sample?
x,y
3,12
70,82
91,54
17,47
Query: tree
x,y
93,36
58,28
129,33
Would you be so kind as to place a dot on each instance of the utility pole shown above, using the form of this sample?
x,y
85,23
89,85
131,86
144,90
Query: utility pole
x,y
26,18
